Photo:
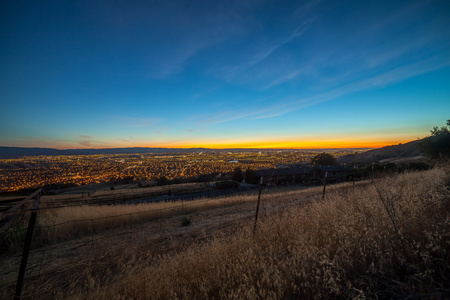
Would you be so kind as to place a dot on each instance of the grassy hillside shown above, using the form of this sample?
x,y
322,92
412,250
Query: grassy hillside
x,y
389,239
386,154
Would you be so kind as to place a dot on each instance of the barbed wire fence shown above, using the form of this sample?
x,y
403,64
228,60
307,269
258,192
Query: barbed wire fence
x,y
75,251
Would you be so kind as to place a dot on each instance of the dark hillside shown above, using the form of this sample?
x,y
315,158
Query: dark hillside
x,y
394,152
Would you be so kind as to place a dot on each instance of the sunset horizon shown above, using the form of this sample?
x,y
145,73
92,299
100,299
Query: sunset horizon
x,y
296,75
234,149
275,145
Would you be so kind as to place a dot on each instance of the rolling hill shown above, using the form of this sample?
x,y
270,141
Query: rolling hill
x,y
395,153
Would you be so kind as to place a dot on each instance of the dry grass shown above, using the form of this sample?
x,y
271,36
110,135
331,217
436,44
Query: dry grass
x,y
387,240
102,190
68,222
73,221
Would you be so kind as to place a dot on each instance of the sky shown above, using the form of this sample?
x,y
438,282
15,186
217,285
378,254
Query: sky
x,y
222,74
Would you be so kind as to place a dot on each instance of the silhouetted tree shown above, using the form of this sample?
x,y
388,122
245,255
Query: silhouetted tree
x,y
228,184
324,159
162,181
390,166
375,167
436,145
418,166
250,175
175,181
205,177
238,175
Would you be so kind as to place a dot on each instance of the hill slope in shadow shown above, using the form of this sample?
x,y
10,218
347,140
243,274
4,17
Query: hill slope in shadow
x,y
385,154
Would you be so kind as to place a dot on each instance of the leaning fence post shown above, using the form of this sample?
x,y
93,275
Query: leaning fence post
x,y
257,205
324,185
27,245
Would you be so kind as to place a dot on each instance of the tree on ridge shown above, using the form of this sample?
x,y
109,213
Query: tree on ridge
x,y
324,159
437,144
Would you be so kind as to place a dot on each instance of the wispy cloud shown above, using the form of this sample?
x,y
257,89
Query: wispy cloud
x,y
357,65
226,116
85,143
408,71
88,141
364,51
190,130
264,51
60,143
196,32
305,8
284,78
174,63
381,80
377,81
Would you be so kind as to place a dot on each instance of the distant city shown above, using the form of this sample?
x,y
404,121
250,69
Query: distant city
x,y
27,172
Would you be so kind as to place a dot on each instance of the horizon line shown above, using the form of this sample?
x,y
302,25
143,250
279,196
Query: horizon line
x,y
203,147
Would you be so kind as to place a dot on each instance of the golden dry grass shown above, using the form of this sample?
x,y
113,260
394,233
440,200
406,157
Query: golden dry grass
x,y
389,239
80,192
67,222
72,221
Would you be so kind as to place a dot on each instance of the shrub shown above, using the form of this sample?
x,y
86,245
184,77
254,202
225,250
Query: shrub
x,y
186,221
228,184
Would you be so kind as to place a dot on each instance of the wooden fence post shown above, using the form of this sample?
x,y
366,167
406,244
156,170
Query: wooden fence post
x,y
257,205
324,185
27,245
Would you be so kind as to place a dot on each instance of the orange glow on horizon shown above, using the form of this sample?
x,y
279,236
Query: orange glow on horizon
x,y
293,145
280,144
323,142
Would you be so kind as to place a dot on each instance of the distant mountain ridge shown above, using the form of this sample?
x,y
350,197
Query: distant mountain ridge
x,y
16,152
384,154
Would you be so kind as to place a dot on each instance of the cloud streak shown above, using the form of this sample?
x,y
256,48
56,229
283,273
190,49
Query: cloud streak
x,y
377,81
264,54
85,143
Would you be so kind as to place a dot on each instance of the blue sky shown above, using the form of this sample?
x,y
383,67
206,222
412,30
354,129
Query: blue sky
x,y
285,74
